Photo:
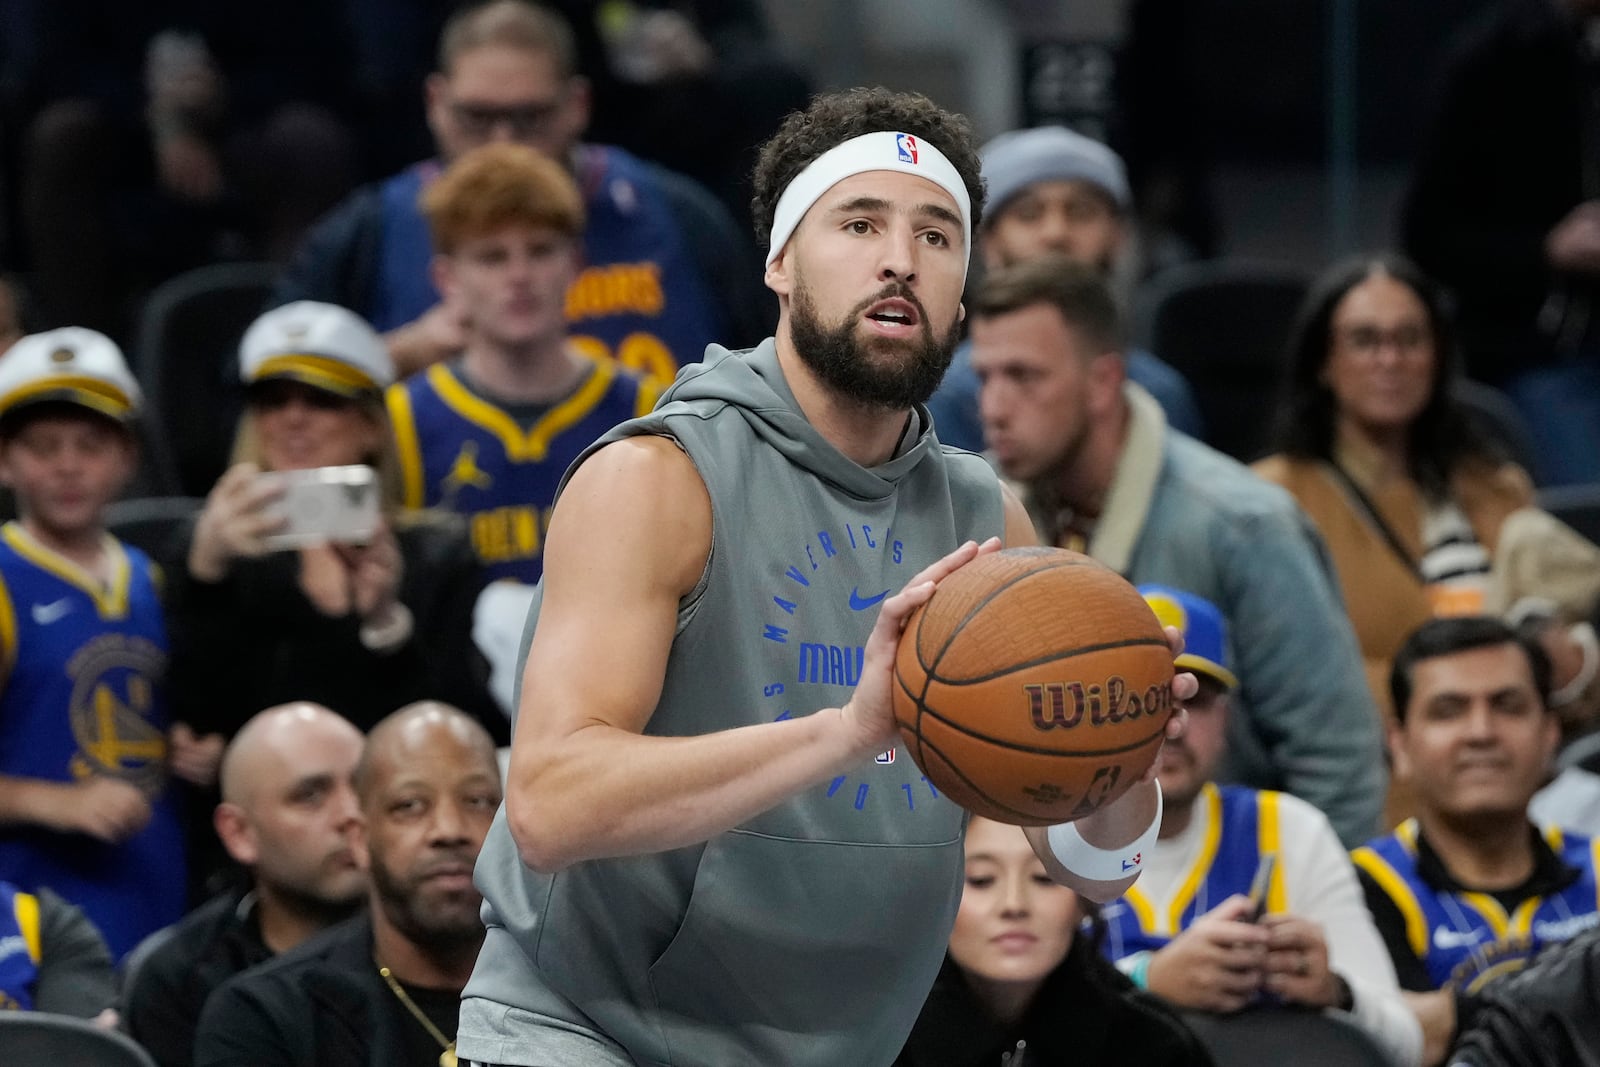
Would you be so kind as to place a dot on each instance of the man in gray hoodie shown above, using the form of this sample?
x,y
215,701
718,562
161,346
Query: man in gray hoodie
x,y
711,852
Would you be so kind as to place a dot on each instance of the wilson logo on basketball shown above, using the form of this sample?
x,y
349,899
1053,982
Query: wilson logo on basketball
x,y
1051,707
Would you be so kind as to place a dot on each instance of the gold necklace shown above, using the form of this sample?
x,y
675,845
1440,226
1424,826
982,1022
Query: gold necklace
x,y
447,1058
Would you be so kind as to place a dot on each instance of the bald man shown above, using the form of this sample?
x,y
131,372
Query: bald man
x,y
288,816
382,988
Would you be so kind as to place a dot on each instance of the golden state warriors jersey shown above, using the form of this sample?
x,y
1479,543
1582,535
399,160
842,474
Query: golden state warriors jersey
x,y
461,453
20,949
1241,826
1465,939
81,693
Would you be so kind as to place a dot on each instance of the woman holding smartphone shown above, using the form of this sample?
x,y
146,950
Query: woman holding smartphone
x,y
360,616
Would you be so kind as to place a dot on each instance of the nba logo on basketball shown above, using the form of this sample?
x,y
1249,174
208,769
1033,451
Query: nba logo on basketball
x,y
884,758
907,145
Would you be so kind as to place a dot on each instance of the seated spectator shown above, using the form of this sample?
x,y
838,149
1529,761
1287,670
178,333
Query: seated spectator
x,y
87,808
1054,192
1542,1016
52,959
1197,929
666,271
1022,985
1469,889
1409,499
490,434
1100,471
287,816
358,628
384,988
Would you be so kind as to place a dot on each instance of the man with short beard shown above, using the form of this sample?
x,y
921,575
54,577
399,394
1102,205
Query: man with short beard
x,y
711,852
287,815
382,988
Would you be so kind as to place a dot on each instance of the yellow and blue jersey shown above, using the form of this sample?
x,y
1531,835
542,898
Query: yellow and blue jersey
x,y
1241,826
1467,938
20,949
81,693
461,453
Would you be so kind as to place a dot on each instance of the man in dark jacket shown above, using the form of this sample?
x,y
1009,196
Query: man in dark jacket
x,y
384,988
287,814
1545,1016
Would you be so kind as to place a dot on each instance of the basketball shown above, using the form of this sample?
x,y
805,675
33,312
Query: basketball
x,y
1034,686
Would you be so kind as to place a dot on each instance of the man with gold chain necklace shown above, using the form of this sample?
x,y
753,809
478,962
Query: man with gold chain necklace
x,y
383,988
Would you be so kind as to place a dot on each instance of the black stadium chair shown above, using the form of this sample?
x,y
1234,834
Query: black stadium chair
x,y
30,1037
1493,415
1284,1036
151,524
1224,325
187,362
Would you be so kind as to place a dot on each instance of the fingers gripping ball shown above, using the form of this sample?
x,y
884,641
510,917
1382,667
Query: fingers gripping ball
x,y
1034,686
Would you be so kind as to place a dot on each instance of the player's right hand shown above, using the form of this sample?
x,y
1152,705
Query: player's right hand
x,y
234,522
1217,964
870,709
108,809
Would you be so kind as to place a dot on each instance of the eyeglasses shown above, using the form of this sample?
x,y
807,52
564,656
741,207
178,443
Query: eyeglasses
x,y
1367,341
276,394
526,121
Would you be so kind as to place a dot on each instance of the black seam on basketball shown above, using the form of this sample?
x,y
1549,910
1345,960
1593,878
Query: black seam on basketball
x,y
927,680
955,631
1054,657
1031,816
916,724
1013,746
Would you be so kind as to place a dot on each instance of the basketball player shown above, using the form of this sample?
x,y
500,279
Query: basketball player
x,y
85,807
710,851
489,434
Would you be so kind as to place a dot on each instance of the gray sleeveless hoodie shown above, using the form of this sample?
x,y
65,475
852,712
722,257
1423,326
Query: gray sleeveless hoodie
x,y
812,933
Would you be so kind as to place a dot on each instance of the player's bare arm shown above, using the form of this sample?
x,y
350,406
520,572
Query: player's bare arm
x,y
1125,819
628,541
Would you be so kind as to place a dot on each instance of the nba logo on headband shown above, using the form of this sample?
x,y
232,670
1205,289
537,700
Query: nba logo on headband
x,y
907,146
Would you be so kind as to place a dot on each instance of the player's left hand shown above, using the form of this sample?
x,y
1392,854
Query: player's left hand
x,y
1297,962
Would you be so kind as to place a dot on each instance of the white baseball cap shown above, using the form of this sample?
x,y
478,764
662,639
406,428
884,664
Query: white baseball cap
x,y
322,345
70,365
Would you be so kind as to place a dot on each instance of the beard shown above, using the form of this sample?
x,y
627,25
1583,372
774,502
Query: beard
x,y
878,372
441,921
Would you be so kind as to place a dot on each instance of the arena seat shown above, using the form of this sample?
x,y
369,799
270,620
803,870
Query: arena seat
x,y
1302,1037
31,1037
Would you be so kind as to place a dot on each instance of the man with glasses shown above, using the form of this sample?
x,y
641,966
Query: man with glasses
x,y
665,269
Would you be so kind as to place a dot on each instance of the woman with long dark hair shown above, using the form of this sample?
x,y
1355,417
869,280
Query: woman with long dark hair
x,y
1409,499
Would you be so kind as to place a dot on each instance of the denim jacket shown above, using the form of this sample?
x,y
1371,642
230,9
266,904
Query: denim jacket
x,y
1182,514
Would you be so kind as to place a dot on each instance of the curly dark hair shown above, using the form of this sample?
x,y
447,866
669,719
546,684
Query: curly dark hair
x,y
834,118
1439,437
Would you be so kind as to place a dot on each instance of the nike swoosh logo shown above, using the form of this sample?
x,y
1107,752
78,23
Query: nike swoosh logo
x,y
862,603
45,614
1446,938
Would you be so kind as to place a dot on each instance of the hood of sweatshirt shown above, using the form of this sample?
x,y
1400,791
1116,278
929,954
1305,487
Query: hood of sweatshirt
x,y
752,382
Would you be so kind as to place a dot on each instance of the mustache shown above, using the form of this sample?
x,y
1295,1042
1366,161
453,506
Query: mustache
x,y
893,291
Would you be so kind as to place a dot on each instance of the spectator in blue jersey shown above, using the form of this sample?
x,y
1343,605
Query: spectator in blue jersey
x,y
1054,192
1101,472
1470,889
52,959
1189,932
665,269
489,434
86,806
360,628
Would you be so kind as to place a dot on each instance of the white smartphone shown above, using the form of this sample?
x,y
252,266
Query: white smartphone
x,y
324,504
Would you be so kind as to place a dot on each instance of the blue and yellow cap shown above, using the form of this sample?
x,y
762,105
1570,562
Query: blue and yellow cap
x,y
1205,632
71,365
321,345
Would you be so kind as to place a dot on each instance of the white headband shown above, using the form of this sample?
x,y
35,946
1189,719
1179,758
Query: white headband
x,y
870,151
